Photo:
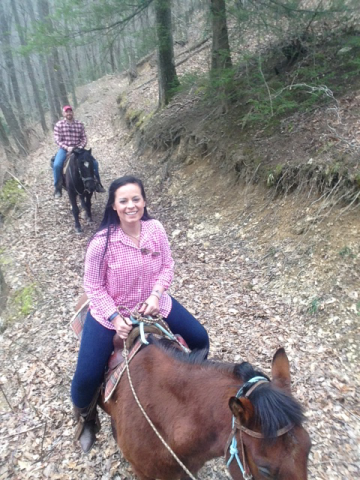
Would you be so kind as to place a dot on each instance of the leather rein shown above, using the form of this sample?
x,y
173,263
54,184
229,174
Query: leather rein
x,y
231,444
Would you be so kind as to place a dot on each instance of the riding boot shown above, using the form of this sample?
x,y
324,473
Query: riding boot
x,y
88,424
98,186
58,187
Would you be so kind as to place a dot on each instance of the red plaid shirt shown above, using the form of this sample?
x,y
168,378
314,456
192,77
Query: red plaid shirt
x,y
126,275
70,134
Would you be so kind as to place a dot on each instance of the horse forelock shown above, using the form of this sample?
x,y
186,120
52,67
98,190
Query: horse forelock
x,y
275,409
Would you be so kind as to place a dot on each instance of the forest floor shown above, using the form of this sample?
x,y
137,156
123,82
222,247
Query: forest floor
x,y
259,272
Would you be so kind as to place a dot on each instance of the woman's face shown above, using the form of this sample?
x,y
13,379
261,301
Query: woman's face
x,y
129,204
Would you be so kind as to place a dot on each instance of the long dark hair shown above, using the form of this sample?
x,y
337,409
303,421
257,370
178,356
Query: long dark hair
x,y
111,221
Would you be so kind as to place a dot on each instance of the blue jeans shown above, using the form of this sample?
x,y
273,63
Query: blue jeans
x,y
97,345
59,162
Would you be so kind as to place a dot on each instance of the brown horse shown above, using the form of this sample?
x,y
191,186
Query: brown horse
x,y
188,398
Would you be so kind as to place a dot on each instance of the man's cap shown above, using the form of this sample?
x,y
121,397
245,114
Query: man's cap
x,y
67,107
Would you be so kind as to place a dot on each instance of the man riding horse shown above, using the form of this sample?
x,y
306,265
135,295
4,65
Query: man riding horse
x,y
70,134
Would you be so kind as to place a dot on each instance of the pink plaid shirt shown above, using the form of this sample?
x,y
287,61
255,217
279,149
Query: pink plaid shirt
x,y
126,275
70,134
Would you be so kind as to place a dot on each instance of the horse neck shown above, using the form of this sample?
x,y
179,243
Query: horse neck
x,y
206,391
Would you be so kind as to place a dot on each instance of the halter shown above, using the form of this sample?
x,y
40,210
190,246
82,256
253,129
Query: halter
x,y
83,179
231,444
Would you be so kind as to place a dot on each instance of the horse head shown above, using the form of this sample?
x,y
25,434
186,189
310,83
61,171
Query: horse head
x,y
268,428
85,165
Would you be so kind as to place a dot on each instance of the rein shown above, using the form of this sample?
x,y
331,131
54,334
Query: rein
x,y
137,319
231,444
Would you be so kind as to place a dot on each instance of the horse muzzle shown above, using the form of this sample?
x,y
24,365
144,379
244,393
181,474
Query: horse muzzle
x,y
89,185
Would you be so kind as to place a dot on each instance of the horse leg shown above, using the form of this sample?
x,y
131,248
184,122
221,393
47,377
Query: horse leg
x,y
75,211
86,204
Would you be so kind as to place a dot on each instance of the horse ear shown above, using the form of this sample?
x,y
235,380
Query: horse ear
x,y
242,409
281,370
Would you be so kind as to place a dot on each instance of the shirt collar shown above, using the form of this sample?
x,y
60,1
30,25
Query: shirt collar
x,y
119,235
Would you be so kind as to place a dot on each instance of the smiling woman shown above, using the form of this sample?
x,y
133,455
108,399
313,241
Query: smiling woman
x,y
128,268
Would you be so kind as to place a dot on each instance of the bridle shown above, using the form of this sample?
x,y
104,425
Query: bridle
x,y
83,179
232,445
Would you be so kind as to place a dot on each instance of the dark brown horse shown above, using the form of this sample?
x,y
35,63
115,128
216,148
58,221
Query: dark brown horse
x,y
79,181
195,404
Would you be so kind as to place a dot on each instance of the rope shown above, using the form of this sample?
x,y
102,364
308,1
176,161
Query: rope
x,y
147,417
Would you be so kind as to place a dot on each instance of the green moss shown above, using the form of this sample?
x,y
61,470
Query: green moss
x,y
24,299
11,194
132,116
122,100
357,179
144,120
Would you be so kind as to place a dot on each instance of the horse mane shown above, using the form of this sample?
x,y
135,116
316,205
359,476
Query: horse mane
x,y
274,408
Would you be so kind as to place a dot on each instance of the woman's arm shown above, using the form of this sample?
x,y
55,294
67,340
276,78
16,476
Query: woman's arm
x,y
166,274
102,304
163,279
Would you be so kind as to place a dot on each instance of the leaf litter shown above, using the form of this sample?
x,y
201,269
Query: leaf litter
x,y
239,271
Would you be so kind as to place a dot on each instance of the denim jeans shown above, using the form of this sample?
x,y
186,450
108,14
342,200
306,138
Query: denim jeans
x,y
97,345
59,162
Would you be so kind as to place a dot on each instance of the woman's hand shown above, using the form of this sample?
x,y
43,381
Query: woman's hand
x,y
122,326
150,306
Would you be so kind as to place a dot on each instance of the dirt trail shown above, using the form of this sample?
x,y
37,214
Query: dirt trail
x,y
241,269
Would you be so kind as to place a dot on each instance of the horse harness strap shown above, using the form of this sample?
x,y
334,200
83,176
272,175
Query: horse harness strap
x,y
280,432
138,319
231,444
83,179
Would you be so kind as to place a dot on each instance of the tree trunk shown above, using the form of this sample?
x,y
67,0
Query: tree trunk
x,y
168,80
11,121
132,53
5,43
54,66
31,73
220,52
59,78
70,69
53,85
5,142
111,54
4,289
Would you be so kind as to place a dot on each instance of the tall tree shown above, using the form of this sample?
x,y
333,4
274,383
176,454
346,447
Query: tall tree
x,y
11,120
220,51
54,65
5,142
5,43
54,107
168,79
30,71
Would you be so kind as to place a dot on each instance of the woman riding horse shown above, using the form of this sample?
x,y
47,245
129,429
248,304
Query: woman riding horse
x,y
128,267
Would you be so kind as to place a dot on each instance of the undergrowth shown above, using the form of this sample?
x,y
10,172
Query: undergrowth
x,y
11,194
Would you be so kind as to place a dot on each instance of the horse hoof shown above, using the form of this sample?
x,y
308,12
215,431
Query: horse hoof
x,y
78,229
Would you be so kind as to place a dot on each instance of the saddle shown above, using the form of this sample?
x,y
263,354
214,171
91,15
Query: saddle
x,y
117,364
133,343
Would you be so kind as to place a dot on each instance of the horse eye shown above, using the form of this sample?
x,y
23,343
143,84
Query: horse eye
x,y
86,164
265,472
